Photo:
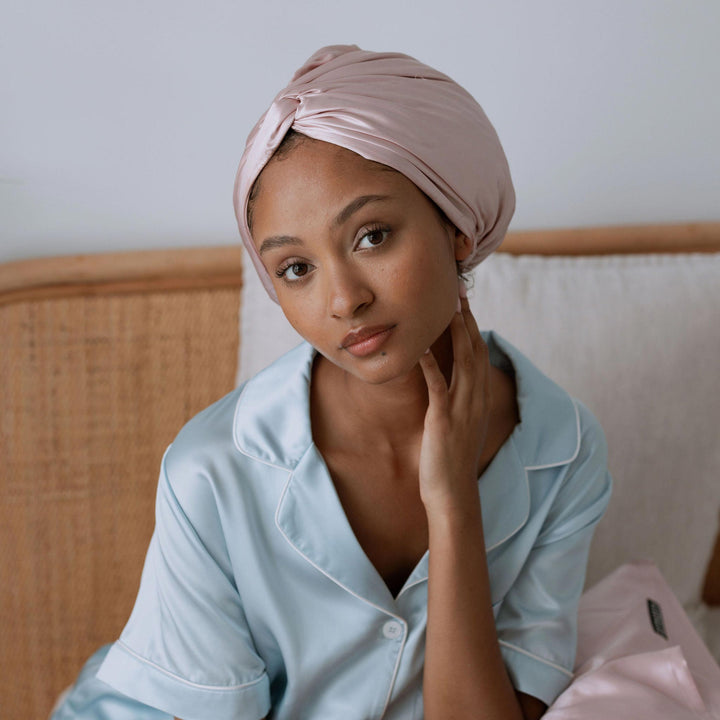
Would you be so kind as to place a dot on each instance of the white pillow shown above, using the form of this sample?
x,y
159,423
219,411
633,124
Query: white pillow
x,y
265,334
637,339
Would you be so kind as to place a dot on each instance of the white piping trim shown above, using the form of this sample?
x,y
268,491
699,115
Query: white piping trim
x,y
235,421
395,669
577,447
284,468
318,568
524,521
411,585
213,688
237,444
399,618
537,657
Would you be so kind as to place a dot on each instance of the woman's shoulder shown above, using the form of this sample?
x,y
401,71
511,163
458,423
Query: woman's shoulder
x,y
210,428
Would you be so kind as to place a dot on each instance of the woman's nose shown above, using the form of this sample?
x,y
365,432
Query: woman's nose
x,y
348,294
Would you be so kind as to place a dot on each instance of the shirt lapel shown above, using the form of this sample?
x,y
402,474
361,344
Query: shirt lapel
x,y
312,520
272,425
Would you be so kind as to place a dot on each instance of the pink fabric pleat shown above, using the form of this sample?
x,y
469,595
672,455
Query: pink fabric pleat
x,y
391,109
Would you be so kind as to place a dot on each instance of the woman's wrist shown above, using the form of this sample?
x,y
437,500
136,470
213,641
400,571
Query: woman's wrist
x,y
454,511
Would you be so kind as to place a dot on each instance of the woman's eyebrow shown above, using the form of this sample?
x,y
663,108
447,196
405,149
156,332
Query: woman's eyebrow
x,y
343,216
278,241
352,207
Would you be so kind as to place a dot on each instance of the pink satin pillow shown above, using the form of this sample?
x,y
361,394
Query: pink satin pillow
x,y
638,655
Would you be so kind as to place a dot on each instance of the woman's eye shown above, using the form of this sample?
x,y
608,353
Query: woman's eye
x,y
294,271
372,238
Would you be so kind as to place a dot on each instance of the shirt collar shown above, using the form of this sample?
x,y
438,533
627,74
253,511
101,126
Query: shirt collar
x,y
272,415
548,434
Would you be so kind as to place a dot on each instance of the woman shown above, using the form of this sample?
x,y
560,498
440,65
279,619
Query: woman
x,y
392,520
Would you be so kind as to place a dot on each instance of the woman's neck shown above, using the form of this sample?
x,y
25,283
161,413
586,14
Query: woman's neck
x,y
387,417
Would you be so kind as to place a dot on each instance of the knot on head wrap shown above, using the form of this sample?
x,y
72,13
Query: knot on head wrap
x,y
392,109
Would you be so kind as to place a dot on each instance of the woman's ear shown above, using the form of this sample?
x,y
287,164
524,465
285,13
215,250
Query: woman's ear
x,y
463,246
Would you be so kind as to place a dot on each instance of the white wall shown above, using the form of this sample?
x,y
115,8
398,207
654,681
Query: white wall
x,y
122,122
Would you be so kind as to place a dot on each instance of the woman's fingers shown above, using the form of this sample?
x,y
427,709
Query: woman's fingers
x,y
471,360
482,353
471,325
462,379
435,380
457,416
470,373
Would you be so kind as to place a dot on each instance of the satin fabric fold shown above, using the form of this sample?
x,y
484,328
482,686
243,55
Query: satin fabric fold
x,y
391,109
638,655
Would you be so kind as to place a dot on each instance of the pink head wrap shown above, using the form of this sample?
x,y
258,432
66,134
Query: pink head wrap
x,y
392,109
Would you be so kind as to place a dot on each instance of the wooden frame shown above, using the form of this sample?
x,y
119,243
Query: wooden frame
x,y
121,272
617,240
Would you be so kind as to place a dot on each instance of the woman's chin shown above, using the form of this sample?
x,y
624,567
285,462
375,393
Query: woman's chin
x,y
382,368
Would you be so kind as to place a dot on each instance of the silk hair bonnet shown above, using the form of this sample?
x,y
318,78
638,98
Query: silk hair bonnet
x,y
392,109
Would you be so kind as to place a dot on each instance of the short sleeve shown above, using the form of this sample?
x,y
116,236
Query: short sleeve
x,y
186,648
537,621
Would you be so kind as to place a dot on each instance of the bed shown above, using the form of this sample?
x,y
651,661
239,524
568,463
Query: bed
x,y
104,358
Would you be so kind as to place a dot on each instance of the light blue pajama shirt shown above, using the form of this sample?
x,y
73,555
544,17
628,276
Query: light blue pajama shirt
x,y
257,597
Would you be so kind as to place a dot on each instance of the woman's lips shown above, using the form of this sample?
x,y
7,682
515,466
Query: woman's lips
x,y
365,341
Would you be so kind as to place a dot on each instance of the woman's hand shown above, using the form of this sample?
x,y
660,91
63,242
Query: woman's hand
x,y
464,674
457,417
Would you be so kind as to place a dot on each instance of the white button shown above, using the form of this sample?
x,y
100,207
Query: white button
x,y
392,630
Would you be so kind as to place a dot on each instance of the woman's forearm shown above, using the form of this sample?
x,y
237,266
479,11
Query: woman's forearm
x,y
464,673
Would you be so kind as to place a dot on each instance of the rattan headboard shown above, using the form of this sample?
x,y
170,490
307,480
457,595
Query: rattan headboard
x,y
103,359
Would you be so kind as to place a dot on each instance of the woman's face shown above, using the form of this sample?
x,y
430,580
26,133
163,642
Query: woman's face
x,y
363,265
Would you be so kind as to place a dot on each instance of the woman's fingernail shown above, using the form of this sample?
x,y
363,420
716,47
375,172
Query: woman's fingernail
x,y
463,289
459,306
427,352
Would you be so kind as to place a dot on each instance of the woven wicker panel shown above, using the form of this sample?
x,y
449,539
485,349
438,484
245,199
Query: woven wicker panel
x,y
92,390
